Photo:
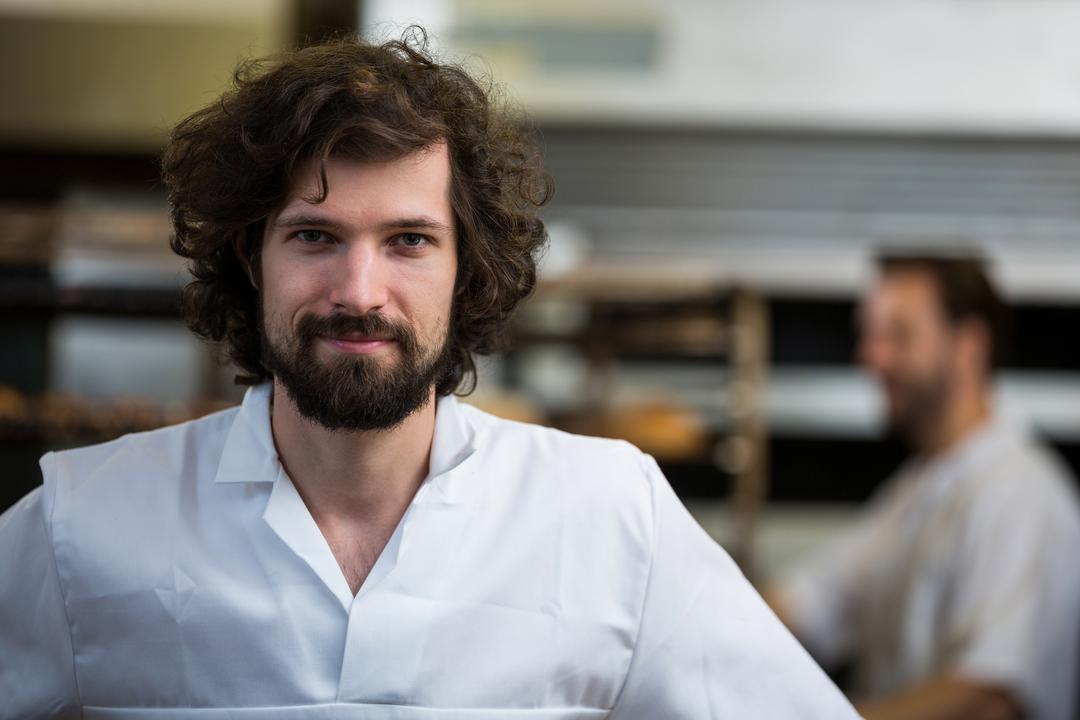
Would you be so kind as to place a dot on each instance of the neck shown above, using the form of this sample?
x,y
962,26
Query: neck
x,y
967,411
358,475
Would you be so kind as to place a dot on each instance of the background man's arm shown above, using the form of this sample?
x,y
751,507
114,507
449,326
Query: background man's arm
x,y
945,699
817,599
780,603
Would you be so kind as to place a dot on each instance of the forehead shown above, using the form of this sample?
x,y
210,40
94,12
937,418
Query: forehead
x,y
908,293
416,184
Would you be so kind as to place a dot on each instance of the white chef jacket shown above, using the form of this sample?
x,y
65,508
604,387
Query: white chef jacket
x,y
177,574
967,564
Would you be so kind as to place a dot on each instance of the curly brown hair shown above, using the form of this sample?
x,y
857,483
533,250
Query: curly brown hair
x,y
230,165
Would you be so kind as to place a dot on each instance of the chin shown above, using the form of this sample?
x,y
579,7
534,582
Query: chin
x,y
901,431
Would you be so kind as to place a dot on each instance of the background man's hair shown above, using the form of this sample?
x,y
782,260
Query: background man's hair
x,y
231,164
966,293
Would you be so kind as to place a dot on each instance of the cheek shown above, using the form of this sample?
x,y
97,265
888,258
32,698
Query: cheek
x,y
429,293
930,349
911,361
287,291
447,293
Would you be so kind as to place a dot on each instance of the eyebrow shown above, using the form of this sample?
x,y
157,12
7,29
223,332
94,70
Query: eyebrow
x,y
300,219
419,222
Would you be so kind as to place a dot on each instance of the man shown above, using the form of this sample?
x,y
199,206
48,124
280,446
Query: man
x,y
957,593
352,542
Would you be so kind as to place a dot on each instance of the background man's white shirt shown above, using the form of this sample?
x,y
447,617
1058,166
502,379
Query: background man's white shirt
x,y
965,564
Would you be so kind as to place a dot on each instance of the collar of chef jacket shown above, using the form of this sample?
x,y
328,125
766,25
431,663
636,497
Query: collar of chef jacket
x,y
249,455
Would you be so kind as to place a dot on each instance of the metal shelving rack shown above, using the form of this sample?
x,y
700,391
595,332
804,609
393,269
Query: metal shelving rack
x,y
671,319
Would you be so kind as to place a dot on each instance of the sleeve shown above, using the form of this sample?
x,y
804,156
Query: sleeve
x,y
37,669
1016,610
708,646
824,591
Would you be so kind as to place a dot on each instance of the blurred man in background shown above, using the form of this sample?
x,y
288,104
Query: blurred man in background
x,y
957,593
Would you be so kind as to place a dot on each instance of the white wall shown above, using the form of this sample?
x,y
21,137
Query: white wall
x,y
992,66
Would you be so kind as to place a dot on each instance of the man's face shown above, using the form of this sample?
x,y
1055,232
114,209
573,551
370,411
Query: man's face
x,y
908,344
356,291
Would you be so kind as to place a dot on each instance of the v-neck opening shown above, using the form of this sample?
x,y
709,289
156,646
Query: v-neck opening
x,y
290,518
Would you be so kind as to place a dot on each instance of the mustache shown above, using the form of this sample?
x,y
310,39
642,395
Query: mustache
x,y
311,327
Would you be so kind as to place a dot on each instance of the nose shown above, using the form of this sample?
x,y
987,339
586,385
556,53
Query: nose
x,y
360,284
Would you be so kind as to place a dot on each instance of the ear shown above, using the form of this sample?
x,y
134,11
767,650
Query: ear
x,y
242,250
974,337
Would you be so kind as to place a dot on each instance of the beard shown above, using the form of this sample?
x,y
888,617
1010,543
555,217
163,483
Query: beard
x,y
915,404
353,392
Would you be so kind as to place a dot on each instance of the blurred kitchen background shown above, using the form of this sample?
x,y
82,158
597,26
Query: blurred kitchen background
x,y
725,171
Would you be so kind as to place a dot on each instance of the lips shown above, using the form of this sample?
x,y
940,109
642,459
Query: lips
x,y
359,337
362,334
357,344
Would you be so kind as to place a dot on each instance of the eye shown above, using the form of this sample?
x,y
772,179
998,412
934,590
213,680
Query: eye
x,y
411,241
312,237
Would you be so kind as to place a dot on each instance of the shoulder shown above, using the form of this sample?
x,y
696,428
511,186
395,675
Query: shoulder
x,y
587,509
115,510
1027,468
1027,483
564,456
134,465
601,484
542,437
